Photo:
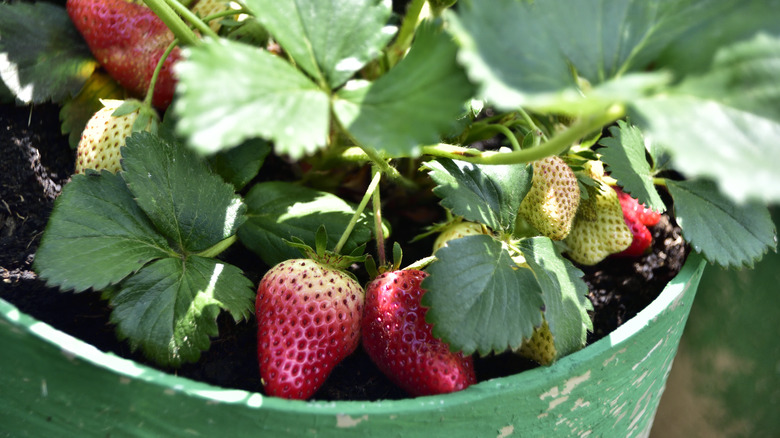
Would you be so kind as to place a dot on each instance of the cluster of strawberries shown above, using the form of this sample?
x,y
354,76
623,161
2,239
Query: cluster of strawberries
x,y
312,315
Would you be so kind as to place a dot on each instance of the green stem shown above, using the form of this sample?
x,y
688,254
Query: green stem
x,y
659,181
531,123
218,15
218,248
376,204
360,208
377,159
554,146
192,18
508,134
422,263
179,28
406,34
153,82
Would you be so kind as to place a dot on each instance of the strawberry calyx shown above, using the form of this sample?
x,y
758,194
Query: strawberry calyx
x,y
321,254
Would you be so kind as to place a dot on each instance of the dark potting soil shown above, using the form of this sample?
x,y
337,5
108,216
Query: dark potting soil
x,y
37,161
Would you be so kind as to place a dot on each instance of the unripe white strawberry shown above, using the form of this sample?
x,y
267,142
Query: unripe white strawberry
x,y
540,347
551,204
102,138
599,228
456,231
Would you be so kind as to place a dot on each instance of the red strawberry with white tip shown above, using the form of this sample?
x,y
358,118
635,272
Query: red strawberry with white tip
x,y
400,342
308,320
128,40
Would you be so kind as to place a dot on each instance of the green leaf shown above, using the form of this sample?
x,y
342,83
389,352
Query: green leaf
x,y
625,154
330,40
187,203
42,55
76,112
706,139
413,103
743,76
169,308
276,101
564,292
279,211
241,164
721,23
525,53
478,299
726,233
96,235
725,124
488,194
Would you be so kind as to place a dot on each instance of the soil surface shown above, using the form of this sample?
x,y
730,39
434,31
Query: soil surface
x,y
36,163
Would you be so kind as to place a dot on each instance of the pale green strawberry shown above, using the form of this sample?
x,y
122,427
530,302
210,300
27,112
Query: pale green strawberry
x,y
456,231
206,8
102,138
540,347
551,204
599,227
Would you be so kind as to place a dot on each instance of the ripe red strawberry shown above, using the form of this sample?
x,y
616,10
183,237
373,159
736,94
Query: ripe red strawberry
x,y
400,342
638,217
128,40
308,320
632,206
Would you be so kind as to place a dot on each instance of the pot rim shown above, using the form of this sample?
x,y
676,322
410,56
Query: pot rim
x,y
76,349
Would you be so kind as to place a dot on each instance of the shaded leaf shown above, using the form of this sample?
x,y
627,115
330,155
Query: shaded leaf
x,y
278,211
76,112
96,235
42,55
241,164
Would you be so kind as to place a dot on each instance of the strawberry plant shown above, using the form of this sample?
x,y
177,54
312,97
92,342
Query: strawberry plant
x,y
545,137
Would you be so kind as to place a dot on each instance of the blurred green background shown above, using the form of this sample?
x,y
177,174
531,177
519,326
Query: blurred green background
x,y
725,381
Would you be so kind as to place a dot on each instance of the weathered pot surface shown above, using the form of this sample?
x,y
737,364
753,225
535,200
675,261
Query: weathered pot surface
x,y
56,385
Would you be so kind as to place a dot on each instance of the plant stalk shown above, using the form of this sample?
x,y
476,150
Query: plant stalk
x,y
188,15
157,69
376,203
405,36
358,211
217,249
554,146
179,28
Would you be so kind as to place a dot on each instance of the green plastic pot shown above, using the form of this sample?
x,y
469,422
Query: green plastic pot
x,y
52,384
